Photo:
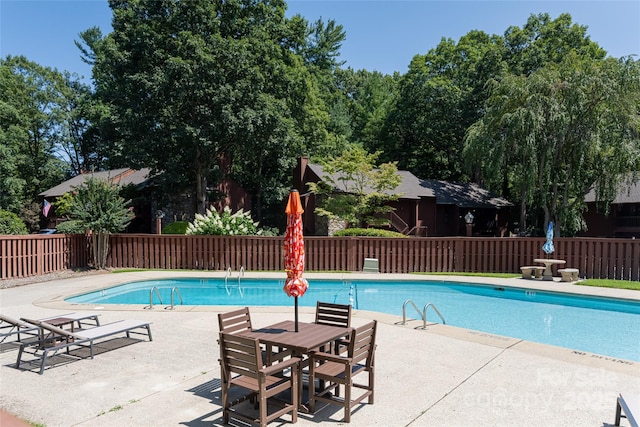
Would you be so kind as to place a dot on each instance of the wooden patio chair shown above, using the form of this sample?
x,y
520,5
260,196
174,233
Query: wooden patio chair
x,y
335,370
243,367
235,321
334,315
238,321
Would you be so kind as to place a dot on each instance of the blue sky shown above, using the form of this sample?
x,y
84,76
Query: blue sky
x,y
381,35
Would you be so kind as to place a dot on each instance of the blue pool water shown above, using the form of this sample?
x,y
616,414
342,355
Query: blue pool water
x,y
604,326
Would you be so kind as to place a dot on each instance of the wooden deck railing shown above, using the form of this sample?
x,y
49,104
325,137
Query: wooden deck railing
x,y
22,256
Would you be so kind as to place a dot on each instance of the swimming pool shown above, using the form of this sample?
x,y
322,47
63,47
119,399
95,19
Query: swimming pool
x,y
599,325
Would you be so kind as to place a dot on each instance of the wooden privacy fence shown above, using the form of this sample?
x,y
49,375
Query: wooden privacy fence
x,y
33,255
22,256
595,258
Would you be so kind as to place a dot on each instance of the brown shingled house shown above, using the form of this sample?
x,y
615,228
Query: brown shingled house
x,y
624,214
145,207
425,207
123,177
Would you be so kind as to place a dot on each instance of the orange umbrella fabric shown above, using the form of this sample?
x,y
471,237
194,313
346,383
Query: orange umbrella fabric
x,y
295,285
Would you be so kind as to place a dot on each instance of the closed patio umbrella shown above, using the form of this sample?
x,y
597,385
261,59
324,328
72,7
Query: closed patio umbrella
x,y
547,247
295,285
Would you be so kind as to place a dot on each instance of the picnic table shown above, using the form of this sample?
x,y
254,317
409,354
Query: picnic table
x,y
548,262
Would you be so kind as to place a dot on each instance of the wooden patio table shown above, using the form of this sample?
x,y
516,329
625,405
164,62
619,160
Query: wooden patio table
x,y
309,337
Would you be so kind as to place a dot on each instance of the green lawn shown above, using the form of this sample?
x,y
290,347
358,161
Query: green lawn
x,y
603,283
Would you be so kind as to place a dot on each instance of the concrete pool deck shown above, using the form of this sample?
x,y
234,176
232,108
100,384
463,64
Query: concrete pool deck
x,y
440,376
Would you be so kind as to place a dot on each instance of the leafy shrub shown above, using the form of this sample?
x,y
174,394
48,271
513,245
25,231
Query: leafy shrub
x,y
368,232
71,227
30,215
178,227
224,224
270,232
63,204
98,206
11,223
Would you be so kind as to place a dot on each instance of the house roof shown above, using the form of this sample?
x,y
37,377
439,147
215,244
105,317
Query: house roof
x,y
123,176
468,195
409,186
628,192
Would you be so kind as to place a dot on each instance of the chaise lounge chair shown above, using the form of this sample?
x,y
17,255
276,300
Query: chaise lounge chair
x,y
628,406
14,330
10,327
54,339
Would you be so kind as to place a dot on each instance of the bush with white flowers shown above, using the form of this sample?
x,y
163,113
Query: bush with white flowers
x,y
225,223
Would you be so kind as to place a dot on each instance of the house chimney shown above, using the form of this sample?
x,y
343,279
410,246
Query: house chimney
x,y
299,173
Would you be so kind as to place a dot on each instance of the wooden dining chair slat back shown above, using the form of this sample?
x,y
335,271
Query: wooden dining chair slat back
x,y
235,321
243,367
334,315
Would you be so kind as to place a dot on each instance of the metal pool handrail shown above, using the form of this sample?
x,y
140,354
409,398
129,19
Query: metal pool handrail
x,y
423,314
151,291
175,291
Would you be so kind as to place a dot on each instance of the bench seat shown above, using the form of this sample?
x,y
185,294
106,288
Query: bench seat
x,y
529,270
568,274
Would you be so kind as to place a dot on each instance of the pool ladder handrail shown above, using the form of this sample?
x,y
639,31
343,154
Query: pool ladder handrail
x,y
353,293
226,278
226,281
175,291
423,314
151,292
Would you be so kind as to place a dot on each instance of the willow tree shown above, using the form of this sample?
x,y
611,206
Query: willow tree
x,y
558,132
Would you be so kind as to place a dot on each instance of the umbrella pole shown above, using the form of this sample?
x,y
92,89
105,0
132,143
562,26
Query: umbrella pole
x,y
296,305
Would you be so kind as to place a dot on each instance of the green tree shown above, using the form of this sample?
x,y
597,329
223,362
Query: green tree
x,y
557,132
33,123
10,223
354,190
543,40
322,45
191,86
445,90
368,97
439,97
320,52
96,206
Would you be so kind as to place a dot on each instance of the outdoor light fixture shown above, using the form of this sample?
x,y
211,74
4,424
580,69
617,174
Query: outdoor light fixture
x,y
159,216
468,218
